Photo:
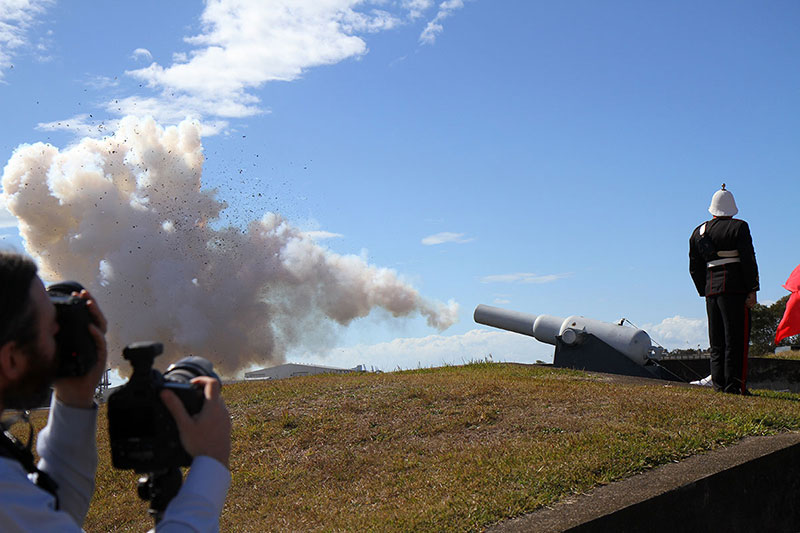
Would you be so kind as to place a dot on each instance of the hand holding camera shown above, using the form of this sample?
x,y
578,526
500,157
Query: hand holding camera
x,y
208,432
144,436
80,343
158,422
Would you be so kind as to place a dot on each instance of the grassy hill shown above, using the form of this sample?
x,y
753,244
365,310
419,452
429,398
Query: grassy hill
x,y
447,449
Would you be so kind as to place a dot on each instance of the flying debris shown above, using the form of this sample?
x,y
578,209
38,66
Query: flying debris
x,y
127,216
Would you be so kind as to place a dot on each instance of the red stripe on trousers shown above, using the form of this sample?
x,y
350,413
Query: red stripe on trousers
x,y
746,350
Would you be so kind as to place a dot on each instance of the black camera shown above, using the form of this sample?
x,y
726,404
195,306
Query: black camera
x,y
77,352
143,434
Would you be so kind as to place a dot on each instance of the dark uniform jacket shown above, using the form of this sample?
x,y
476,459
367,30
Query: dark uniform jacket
x,y
721,257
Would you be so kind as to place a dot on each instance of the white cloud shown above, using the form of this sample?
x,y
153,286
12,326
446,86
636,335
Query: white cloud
x,y
416,8
102,82
319,235
445,236
502,301
434,27
679,332
244,44
477,344
16,19
141,53
247,43
523,277
376,21
83,125
7,220
436,350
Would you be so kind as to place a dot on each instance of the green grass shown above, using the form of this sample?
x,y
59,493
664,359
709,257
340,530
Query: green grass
x,y
448,449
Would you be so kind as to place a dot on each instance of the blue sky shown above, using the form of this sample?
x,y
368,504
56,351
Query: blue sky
x,y
548,157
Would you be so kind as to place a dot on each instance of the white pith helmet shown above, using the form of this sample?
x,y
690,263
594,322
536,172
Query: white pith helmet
x,y
723,204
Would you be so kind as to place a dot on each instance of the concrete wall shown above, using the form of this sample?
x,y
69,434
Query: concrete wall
x,y
761,495
752,486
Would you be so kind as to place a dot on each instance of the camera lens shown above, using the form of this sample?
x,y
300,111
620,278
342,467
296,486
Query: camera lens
x,y
190,367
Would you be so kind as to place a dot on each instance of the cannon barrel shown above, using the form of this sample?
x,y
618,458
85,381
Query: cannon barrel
x,y
544,328
634,343
508,320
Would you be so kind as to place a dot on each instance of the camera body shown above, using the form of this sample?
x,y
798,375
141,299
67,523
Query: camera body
x,y
143,434
77,352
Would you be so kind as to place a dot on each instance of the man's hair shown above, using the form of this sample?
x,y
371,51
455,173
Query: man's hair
x,y
17,314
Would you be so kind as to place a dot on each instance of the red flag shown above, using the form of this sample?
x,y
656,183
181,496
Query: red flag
x,y
790,323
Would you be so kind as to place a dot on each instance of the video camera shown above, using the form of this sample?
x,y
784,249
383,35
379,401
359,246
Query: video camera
x,y
143,434
77,352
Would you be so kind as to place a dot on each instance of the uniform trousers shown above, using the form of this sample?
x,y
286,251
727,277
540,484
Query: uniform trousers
x,y
729,336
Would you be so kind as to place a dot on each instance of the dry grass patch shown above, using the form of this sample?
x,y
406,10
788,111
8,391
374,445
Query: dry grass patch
x,y
789,355
449,449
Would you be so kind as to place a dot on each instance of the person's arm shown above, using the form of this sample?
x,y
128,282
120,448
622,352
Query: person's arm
x,y
24,507
68,453
750,300
697,266
67,445
747,255
198,504
206,436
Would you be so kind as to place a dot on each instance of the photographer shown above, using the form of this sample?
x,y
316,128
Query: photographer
x,y
55,494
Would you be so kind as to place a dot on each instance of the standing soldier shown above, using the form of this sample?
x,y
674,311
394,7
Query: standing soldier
x,y
722,264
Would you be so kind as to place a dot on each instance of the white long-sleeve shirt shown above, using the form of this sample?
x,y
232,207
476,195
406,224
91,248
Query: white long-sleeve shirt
x,y
69,455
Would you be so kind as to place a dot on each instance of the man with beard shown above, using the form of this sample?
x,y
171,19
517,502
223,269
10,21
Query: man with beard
x,y
54,494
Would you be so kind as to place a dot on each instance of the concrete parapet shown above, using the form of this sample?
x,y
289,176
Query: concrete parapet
x,y
751,486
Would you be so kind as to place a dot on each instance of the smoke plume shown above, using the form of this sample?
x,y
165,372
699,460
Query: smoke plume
x,y
127,217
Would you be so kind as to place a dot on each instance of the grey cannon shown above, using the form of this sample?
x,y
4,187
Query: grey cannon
x,y
584,343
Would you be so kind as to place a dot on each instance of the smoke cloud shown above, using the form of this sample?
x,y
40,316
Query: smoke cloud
x,y
127,217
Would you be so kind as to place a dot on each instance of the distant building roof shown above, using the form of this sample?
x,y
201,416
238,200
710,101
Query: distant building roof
x,y
792,347
289,370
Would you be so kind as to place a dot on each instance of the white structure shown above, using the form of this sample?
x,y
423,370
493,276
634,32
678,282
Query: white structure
x,y
791,348
290,370
634,343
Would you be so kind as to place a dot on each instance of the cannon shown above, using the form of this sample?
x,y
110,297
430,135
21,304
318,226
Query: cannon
x,y
583,343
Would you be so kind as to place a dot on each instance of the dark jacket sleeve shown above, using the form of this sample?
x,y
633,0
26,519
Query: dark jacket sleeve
x,y
697,265
748,257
